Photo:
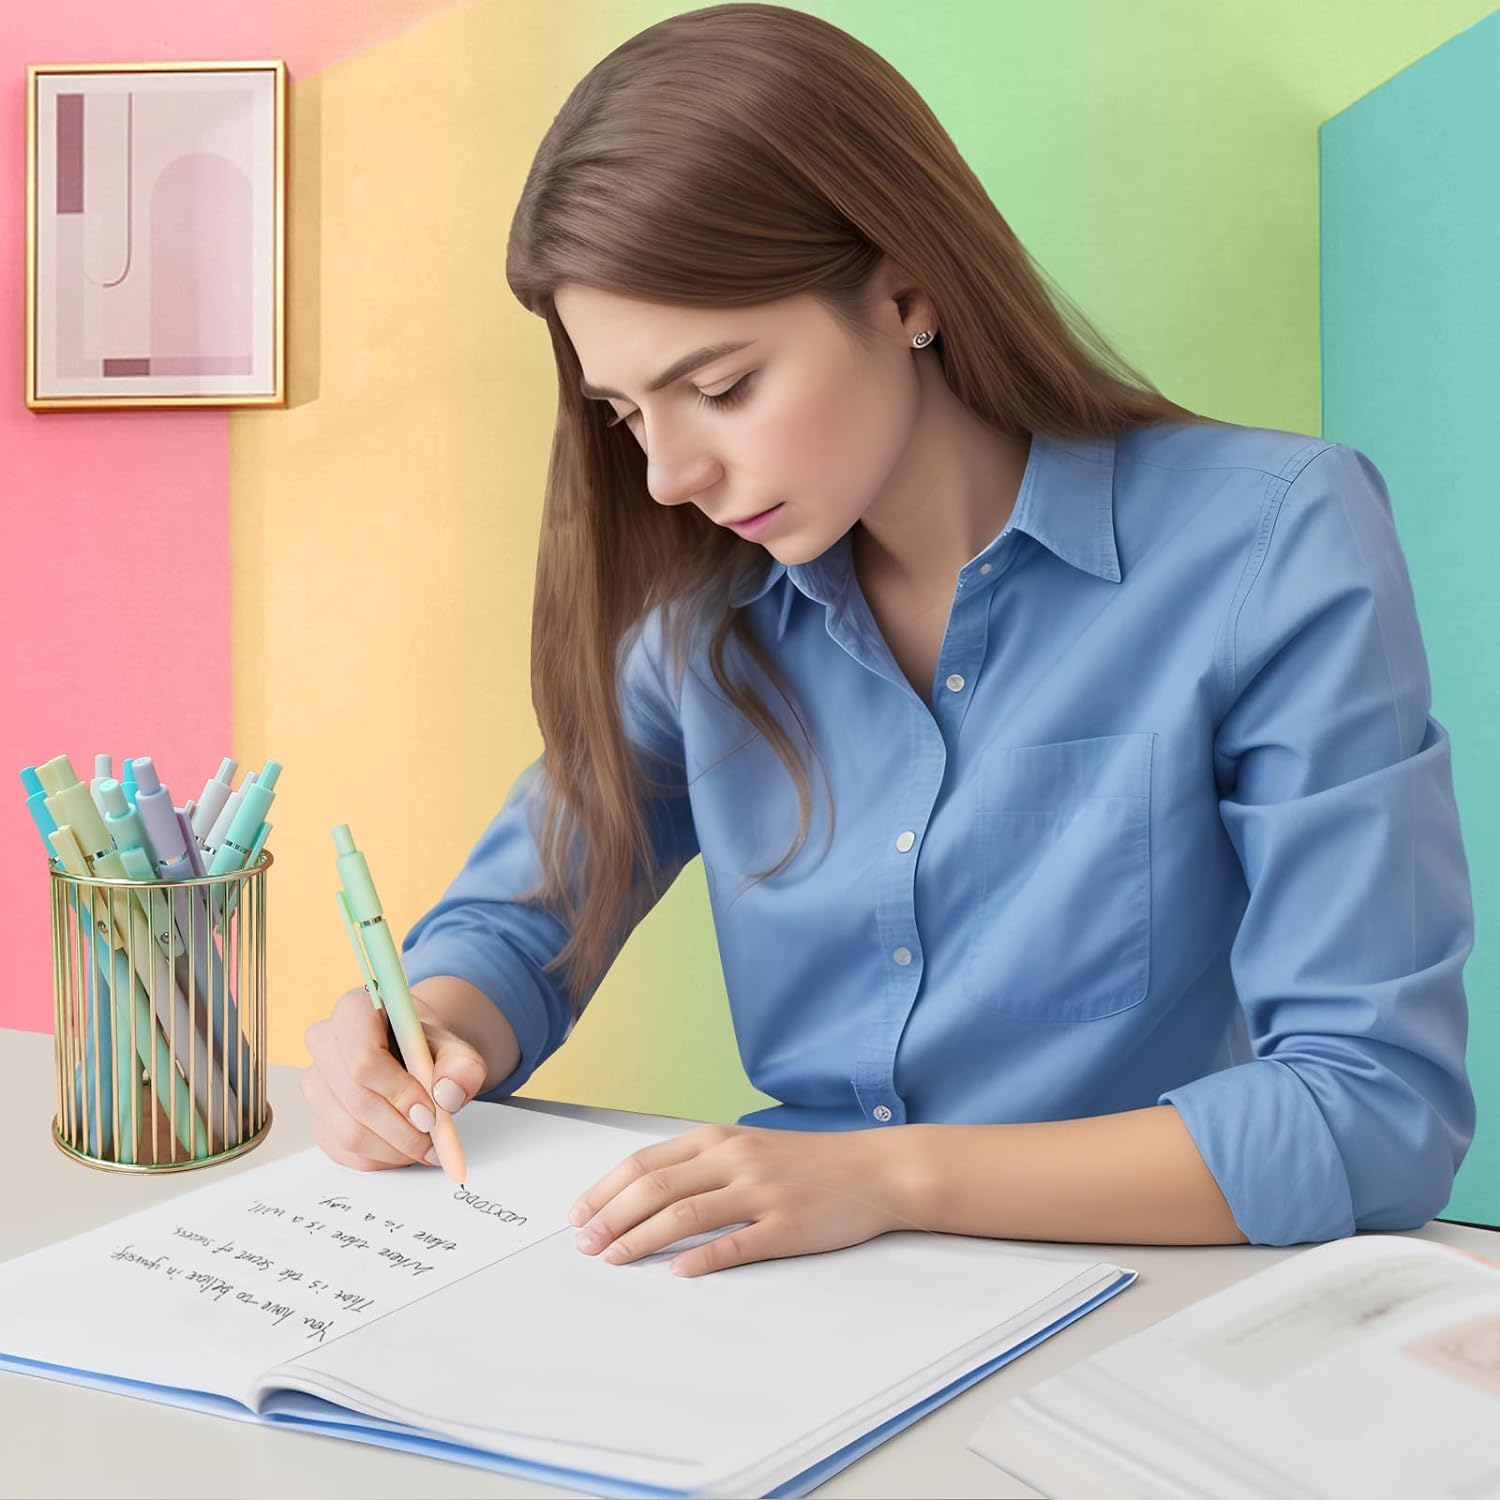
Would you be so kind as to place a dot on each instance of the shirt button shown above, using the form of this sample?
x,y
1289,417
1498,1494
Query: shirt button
x,y
881,1112
902,956
955,683
906,840
984,567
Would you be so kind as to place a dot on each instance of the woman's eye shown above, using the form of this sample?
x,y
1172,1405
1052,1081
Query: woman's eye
x,y
732,397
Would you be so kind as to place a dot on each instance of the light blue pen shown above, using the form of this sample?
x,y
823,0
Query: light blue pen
x,y
91,1085
72,808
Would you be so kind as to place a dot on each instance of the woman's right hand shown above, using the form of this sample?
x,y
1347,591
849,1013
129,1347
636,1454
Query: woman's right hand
x,y
359,1096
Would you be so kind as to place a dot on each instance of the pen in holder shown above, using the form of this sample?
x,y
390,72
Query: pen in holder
x,y
159,993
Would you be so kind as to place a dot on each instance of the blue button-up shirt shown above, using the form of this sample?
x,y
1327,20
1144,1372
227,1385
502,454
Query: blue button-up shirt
x,y
1172,824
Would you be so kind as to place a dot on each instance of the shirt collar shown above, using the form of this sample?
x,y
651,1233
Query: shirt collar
x,y
1066,502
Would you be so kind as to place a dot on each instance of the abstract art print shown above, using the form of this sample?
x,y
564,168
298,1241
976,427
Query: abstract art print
x,y
155,234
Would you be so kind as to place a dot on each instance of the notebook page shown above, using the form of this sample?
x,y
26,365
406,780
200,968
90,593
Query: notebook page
x,y
219,1284
629,1370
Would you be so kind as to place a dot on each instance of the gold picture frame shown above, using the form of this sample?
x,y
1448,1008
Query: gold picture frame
x,y
209,328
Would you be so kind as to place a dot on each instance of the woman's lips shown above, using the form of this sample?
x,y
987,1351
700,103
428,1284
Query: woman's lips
x,y
753,523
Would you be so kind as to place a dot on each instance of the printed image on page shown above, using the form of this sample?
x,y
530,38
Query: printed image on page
x,y
221,1283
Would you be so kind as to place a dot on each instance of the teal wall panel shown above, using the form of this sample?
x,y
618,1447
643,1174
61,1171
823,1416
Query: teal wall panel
x,y
1410,306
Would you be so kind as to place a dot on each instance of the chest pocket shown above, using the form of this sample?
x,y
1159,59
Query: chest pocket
x,y
1063,930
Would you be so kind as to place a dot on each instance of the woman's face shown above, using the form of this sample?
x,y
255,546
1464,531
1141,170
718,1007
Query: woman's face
x,y
810,423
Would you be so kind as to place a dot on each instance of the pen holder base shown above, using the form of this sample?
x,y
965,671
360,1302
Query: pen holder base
x,y
161,1160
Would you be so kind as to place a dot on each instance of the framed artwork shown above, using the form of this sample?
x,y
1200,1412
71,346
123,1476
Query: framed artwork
x,y
155,234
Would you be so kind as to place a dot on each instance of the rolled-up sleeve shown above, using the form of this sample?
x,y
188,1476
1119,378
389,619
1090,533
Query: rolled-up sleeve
x,y
1336,791
481,932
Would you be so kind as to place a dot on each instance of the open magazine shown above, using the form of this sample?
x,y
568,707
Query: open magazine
x,y
1366,1366
463,1323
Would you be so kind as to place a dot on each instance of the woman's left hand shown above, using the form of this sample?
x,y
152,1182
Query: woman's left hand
x,y
795,1191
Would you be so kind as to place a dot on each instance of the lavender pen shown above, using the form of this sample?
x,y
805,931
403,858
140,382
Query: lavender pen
x,y
176,862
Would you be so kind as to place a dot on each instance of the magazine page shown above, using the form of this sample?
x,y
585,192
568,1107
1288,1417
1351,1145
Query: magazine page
x,y
1368,1365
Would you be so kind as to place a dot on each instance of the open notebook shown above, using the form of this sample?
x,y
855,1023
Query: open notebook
x,y
393,1308
1366,1366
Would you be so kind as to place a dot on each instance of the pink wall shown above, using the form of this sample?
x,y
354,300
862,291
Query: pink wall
x,y
114,526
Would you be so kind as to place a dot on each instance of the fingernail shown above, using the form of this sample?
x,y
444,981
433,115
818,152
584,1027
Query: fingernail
x,y
577,1214
421,1117
431,1157
448,1095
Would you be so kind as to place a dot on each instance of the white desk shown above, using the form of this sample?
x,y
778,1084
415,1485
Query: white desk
x,y
62,1440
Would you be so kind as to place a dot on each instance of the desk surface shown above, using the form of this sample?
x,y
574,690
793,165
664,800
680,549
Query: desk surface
x,y
137,1448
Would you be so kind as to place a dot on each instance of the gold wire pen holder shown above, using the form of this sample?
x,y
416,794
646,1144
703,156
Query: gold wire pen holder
x,y
159,1024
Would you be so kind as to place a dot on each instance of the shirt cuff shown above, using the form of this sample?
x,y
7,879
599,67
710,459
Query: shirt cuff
x,y
1264,1139
509,982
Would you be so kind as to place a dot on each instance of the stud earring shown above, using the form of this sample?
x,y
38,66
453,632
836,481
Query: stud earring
x,y
923,339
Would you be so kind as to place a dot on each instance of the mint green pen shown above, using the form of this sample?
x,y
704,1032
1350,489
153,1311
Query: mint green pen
x,y
389,991
191,1131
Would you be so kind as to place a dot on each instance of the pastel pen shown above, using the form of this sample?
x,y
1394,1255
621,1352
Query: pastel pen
x,y
170,848
209,971
153,803
206,1072
227,849
70,804
130,837
246,832
363,911
255,848
244,827
102,772
190,840
127,780
210,801
156,973
159,833
36,805
140,1028
174,861
215,835
91,1084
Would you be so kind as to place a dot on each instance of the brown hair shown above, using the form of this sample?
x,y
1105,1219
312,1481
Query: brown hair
x,y
725,157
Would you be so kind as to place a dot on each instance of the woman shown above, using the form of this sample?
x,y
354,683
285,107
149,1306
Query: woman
x,y
1139,907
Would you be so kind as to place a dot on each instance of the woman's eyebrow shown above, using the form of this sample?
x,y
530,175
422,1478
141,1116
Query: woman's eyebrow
x,y
684,366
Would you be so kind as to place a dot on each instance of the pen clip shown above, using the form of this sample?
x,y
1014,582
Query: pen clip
x,y
372,985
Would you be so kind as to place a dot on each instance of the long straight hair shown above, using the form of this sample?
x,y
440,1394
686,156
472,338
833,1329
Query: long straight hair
x,y
726,157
